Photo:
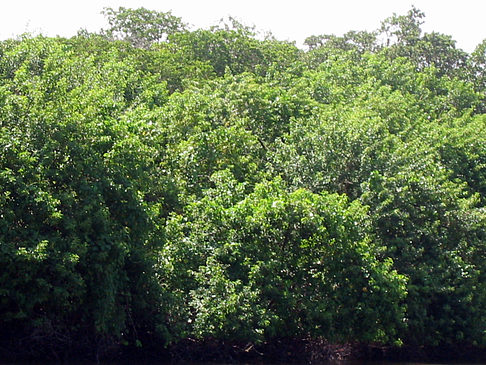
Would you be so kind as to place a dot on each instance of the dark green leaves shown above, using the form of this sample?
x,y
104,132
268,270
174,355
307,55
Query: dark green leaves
x,y
278,262
159,184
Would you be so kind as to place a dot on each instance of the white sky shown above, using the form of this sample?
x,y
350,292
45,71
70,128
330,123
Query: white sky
x,y
465,20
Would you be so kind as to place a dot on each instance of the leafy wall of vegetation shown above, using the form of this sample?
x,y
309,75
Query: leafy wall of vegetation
x,y
159,184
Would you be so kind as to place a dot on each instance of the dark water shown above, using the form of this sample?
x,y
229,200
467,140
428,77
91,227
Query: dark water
x,y
256,363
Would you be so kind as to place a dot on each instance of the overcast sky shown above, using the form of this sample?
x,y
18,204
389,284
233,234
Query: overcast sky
x,y
287,20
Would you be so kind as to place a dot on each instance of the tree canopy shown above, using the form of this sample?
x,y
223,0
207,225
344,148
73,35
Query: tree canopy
x,y
160,184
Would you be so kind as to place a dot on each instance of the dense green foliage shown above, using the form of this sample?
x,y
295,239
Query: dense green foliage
x,y
158,184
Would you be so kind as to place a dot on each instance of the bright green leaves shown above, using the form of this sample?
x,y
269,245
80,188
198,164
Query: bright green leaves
x,y
76,177
278,262
209,184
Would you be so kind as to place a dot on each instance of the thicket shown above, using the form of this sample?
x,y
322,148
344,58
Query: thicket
x,y
159,184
